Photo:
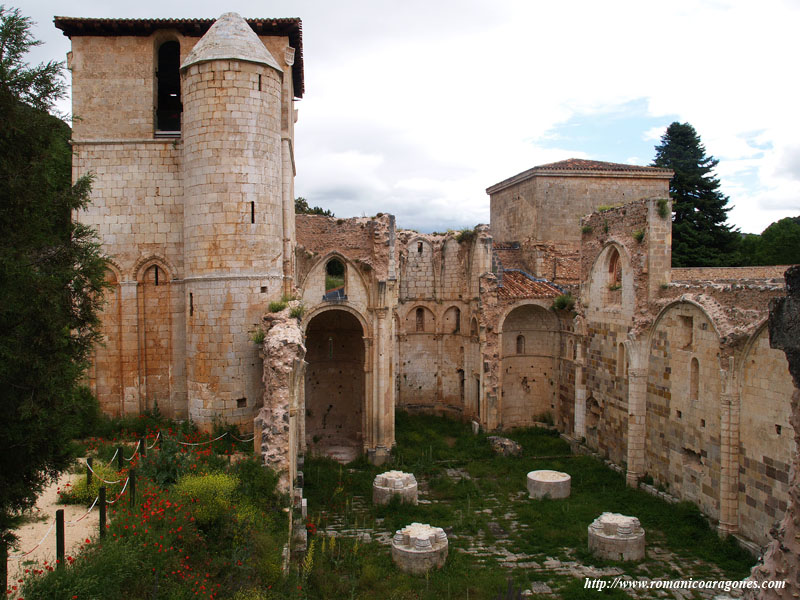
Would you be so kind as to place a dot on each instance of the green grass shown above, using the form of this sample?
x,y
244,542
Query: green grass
x,y
427,446
333,281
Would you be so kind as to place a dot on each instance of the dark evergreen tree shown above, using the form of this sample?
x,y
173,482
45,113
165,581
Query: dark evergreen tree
x,y
51,278
700,236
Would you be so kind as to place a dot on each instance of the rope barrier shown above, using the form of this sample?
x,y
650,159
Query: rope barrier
x,y
203,443
135,451
121,492
88,466
155,441
20,556
91,508
113,457
238,440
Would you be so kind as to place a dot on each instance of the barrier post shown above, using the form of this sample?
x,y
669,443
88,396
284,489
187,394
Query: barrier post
x,y
60,538
143,447
4,570
89,466
132,485
119,458
102,501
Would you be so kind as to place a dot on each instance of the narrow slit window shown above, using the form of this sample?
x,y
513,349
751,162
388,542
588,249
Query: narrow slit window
x,y
694,379
419,247
420,319
330,347
520,344
259,82
252,212
155,275
457,327
191,304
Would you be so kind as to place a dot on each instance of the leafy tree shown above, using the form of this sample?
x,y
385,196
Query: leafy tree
x,y
301,207
700,236
780,243
51,278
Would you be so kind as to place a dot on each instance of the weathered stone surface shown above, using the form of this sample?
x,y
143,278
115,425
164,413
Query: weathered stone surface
x,y
419,547
276,425
504,446
781,559
549,484
616,537
394,483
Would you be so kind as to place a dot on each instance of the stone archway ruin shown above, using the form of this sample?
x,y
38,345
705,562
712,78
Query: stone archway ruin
x,y
335,385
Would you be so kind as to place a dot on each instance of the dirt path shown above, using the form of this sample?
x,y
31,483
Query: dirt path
x,y
44,515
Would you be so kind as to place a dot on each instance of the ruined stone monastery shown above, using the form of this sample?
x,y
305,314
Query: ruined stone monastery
x,y
188,128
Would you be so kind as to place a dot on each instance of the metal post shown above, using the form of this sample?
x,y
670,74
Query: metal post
x,y
132,485
102,501
143,447
60,538
89,466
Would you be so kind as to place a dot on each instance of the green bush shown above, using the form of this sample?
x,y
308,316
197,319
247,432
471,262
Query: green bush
x,y
277,306
297,311
211,496
587,229
638,235
77,492
564,302
662,208
465,235
258,335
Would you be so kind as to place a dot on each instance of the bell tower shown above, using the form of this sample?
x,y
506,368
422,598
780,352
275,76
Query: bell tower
x,y
233,215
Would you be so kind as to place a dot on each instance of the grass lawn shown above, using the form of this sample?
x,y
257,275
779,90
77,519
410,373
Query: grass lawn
x,y
495,531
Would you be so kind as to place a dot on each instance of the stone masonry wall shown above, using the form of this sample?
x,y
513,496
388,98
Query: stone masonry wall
x,y
549,208
781,560
437,369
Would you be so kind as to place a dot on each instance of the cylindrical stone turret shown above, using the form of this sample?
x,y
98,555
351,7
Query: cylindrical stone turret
x,y
232,215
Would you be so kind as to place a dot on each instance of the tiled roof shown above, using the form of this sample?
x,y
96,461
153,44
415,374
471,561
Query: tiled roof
x,y
581,166
518,284
291,27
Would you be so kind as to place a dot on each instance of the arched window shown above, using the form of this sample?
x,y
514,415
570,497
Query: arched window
x,y
614,270
420,319
334,280
694,379
520,344
457,326
168,101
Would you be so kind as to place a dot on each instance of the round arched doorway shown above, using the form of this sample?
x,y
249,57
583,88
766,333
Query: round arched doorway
x,y
334,385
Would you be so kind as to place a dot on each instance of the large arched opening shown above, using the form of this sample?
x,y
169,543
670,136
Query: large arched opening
x,y
530,338
334,385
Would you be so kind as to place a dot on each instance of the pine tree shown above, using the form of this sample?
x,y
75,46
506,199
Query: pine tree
x,y
700,236
51,278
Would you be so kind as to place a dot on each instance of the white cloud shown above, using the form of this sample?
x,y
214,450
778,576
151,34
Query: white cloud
x,y
416,107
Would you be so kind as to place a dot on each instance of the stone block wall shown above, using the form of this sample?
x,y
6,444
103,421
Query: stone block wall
x,y
683,446
548,207
765,438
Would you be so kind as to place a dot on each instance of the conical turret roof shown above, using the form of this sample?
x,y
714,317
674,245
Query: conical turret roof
x,y
230,37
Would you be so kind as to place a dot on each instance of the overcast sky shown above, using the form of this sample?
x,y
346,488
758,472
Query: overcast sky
x,y
415,107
